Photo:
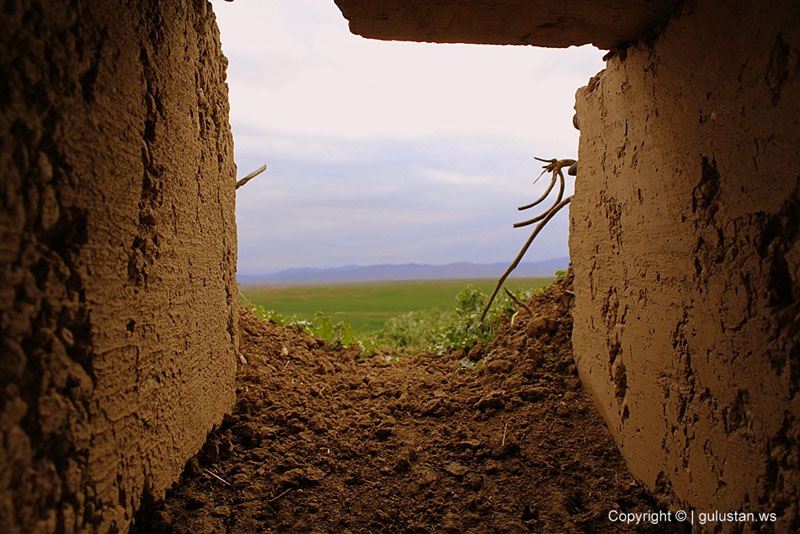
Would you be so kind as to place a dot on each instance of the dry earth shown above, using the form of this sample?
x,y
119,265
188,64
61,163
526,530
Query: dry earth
x,y
322,441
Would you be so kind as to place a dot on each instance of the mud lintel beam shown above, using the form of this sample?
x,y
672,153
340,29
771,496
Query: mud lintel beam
x,y
551,23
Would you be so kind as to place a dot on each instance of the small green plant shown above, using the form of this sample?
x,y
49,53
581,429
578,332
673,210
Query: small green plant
x,y
561,273
438,331
338,334
480,363
413,330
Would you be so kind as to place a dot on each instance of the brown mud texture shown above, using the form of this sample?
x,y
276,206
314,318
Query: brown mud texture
x,y
323,441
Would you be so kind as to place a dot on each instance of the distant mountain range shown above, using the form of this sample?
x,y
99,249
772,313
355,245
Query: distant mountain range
x,y
409,271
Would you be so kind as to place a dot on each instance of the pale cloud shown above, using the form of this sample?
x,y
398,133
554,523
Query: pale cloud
x,y
387,151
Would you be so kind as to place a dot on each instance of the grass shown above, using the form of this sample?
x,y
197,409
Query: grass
x,y
368,305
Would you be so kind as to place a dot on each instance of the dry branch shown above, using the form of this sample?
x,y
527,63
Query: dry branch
x,y
250,176
553,166
522,252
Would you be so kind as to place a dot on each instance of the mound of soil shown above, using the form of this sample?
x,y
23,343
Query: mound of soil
x,y
322,441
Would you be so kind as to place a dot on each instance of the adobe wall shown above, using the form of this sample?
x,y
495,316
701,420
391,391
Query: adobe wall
x,y
117,256
556,23
685,242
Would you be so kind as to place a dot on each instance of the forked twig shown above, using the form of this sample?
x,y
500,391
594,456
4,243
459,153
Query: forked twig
x,y
554,166
250,176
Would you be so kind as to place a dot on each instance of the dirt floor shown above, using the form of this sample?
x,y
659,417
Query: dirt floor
x,y
322,441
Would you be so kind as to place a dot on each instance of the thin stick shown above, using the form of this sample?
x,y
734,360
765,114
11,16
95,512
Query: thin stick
x,y
518,302
545,167
280,495
540,175
245,298
211,473
503,443
250,176
522,252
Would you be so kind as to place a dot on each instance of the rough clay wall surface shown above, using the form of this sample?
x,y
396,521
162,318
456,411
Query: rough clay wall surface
x,y
555,23
117,256
685,240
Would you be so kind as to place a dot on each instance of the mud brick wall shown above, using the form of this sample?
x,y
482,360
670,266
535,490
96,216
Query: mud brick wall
x,y
685,240
117,256
556,23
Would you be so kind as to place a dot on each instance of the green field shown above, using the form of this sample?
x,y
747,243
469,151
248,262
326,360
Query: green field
x,y
367,305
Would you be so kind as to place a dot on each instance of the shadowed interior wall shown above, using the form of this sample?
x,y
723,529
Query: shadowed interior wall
x,y
117,256
685,240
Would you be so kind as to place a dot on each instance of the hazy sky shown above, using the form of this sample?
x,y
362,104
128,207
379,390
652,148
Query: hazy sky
x,y
389,152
